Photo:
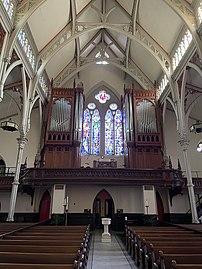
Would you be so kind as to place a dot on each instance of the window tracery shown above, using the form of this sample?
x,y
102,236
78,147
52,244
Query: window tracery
x,y
102,134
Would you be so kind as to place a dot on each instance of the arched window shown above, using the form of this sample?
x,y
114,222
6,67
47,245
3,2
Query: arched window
x,y
102,128
118,133
95,133
86,132
109,133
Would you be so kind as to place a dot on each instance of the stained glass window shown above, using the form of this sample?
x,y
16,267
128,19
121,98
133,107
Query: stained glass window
x,y
86,132
95,133
102,96
113,106
109,133
124,129
118,133
26,47
9,6
91,106
102,135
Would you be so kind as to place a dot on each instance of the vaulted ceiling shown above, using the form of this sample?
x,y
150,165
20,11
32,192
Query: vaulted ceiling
x,y
106,25
135,37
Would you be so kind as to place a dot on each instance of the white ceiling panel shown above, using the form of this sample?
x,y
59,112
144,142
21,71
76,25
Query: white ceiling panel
x,y
160,22
48,20
60,60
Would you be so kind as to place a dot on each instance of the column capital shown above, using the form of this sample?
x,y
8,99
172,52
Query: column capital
x,y
7,60
15,182
183,141
22,141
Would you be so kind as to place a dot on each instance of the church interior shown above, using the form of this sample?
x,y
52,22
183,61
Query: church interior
x,y
100,114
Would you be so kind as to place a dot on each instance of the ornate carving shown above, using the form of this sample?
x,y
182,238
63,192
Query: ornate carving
x,y
65,36
24,6
149,94
182,7
183,141
161,177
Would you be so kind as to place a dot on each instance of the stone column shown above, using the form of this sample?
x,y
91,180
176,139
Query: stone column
x,y
21,144
184,143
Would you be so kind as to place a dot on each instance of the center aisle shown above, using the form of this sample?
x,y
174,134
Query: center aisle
x,y
108,255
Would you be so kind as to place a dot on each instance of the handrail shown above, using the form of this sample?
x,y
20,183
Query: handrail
x,y
198,203
194,174
7,171
2,236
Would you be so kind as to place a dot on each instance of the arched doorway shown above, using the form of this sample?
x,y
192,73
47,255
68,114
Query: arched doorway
x,y
2,166
160,208
103,207
44,208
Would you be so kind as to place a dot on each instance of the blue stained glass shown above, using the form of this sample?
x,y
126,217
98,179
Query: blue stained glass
x,y
124,129
95,133
6,4
109,133
118,133
85,149
10,11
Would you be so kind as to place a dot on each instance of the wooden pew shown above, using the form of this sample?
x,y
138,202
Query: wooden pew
x,y
172,243
175,265
165,260
43,258
38,266
75,237
41,248
52,248
153,253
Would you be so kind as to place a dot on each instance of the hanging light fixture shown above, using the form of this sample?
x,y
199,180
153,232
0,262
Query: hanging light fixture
x,y
196,128
199,147
9,125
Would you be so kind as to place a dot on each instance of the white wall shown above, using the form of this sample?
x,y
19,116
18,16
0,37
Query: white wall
x,y
180,204
9,146
23,202
173,148
128,198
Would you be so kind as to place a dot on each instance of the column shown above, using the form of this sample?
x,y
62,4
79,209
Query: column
x,y
184,143
21,144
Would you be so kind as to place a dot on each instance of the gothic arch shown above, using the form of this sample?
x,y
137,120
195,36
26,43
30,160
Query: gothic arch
x,y
44,207
103,206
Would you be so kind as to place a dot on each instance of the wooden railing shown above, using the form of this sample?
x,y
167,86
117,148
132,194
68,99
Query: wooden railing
x,y
7,171
160,177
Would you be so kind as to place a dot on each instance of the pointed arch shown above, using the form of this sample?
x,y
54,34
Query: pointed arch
x,y
86,136
109,133
44,208
103,206
95,133
2,166
118,133
160,208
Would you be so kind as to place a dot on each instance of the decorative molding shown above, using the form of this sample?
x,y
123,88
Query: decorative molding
x,y
161,177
